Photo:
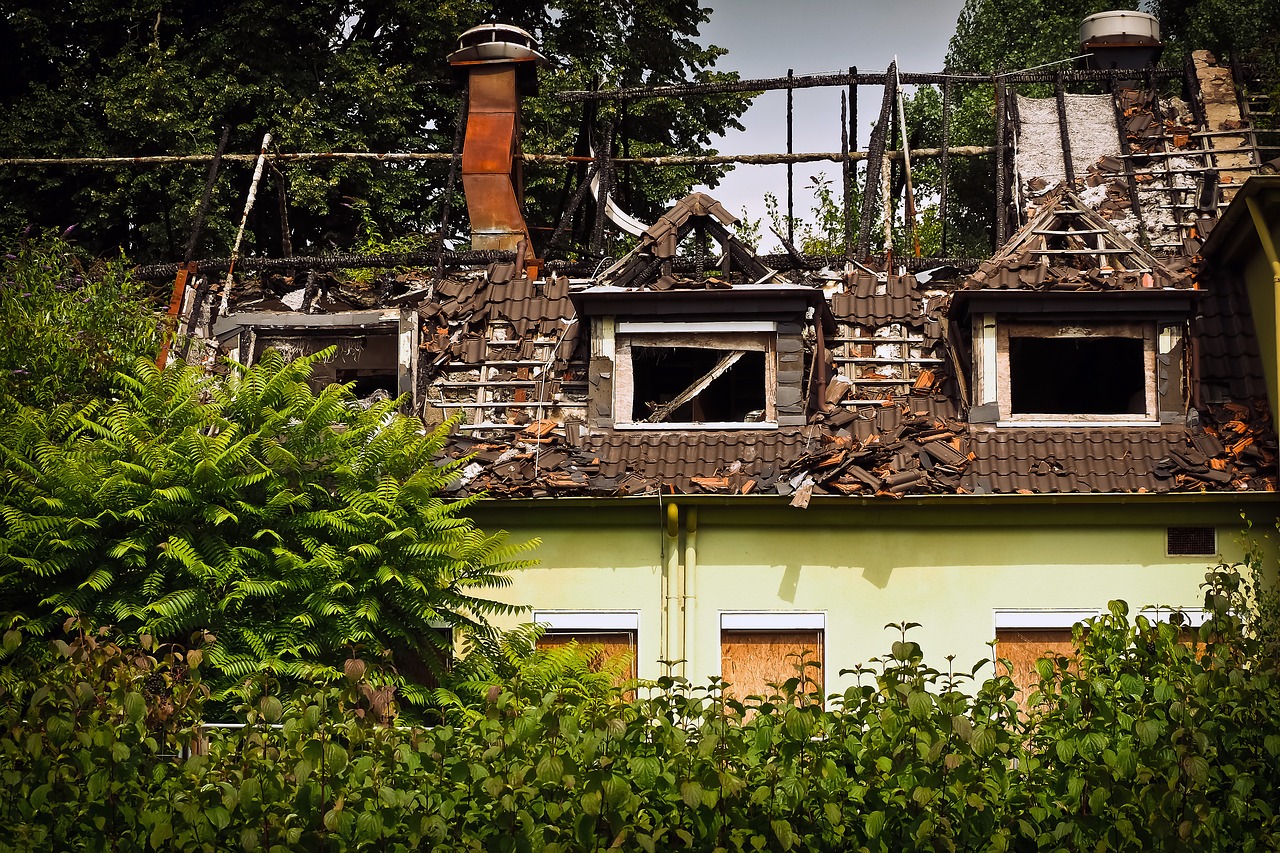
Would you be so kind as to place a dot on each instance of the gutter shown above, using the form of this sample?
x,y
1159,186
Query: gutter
x,y
950,501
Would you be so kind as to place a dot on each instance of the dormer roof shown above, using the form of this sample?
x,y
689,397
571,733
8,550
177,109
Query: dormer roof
x,y
1067,247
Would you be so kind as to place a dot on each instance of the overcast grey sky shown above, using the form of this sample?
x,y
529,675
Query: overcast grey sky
x,y
765,38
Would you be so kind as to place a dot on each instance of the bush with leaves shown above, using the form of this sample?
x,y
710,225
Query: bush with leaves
x,y
68,326
297,526
1150,740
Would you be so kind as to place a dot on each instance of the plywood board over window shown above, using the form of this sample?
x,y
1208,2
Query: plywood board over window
x,y
760,650
613,634
1022,647
607,646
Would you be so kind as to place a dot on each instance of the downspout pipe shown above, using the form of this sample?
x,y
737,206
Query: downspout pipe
x,y
672,648
688,639
1269,248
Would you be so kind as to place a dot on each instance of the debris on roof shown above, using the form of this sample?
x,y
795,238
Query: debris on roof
x,y
877,362
1067,246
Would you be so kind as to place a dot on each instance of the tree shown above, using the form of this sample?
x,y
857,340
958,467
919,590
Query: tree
x,y
298,527
1247,29
142,77
69,324
994,35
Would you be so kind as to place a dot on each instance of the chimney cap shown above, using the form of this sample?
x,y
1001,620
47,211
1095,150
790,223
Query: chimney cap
x,y
493,43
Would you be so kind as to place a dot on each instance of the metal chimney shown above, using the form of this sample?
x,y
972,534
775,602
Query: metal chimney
x,y
500,63
1127,40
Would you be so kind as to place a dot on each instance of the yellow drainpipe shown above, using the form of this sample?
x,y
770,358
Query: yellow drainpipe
x,y
670,590
1269,248
688,640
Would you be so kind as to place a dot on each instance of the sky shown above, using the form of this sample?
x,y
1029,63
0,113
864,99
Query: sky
x,y
765,38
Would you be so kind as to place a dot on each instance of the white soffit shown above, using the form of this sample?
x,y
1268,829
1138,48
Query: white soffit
x,y
588,620
773,620
640,327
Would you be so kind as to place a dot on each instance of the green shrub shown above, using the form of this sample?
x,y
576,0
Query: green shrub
x,y
68,327
1149,743
298,527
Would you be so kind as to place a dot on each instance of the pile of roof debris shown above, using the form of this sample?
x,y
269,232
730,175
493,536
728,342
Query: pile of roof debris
x,y
1234,447
896,447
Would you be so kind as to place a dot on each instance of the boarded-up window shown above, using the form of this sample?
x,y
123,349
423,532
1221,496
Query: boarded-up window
x,y
1022,647
608,645
753,659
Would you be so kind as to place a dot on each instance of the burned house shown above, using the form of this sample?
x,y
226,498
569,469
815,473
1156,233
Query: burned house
x,y
731,458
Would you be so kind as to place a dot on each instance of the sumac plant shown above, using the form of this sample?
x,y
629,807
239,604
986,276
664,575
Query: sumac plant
x,y
297,526
1150,738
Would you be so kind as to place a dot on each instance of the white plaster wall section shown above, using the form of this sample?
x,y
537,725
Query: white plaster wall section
x,y
1090,124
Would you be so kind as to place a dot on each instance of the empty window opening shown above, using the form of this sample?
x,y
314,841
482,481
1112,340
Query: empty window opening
x,y
369,381
1094,375
1192,541
696,385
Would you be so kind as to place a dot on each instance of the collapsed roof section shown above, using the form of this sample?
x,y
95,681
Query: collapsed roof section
x,y
1066,246
1087,355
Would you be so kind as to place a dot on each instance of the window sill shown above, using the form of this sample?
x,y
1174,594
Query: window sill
x,y
1085,422
729,425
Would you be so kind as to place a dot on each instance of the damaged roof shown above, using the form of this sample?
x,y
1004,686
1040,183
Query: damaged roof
x,y
883,361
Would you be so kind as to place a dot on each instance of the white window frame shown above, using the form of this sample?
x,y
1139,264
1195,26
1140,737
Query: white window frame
x,y
588,620
751,336
1145,332
1039,618
1062,618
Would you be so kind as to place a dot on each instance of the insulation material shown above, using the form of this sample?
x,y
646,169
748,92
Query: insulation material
x,y
1090,123
1023,647
752,661
604,647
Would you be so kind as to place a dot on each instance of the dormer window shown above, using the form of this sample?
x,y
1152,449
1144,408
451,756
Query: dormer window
x,y
1078,370
726,350
1097,372
1071,323
695,375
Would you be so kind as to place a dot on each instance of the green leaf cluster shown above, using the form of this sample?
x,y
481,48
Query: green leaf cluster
x,y
69,324
1151,739
152,77
297,526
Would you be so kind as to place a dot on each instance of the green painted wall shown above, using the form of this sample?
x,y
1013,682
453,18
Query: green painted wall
x,y
946,563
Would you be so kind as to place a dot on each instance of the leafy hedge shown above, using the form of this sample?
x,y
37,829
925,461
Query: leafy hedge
x,y
1143,742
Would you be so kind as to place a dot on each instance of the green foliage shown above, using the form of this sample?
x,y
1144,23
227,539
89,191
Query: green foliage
x,y
1244,28
1147,742
68,326
297,526
371,241
512,661
96,78
823,232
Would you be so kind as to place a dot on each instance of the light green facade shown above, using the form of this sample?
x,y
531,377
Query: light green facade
x,y
949,563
